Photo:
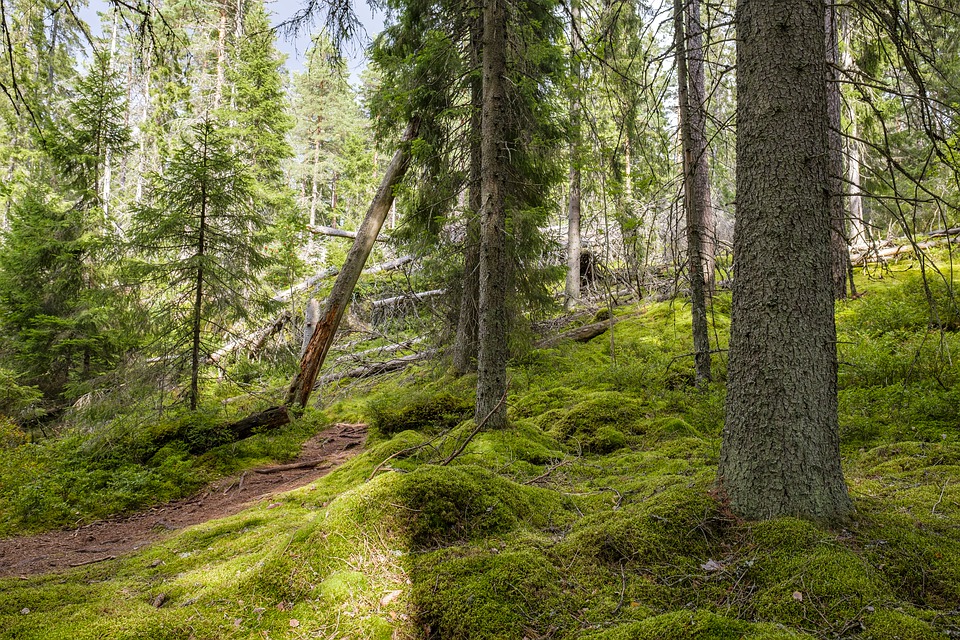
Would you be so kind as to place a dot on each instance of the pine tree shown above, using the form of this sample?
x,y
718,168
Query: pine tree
x,y
203,235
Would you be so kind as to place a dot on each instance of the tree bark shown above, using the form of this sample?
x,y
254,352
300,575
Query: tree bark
x,y
465,345
302,384
572,288
198,298
838,227
310,317
700,166
696,191
780,454
492,360
858,231
271,418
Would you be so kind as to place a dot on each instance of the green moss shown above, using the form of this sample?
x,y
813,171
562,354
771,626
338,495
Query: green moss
x,y
584,424
425,411
694,625
435,506
788,535
897,625
479,596
807,586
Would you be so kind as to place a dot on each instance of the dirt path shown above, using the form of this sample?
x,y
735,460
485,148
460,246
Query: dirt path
x,y
107,539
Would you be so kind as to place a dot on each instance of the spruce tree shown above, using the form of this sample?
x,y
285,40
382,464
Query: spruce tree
x,y
57,306
203,236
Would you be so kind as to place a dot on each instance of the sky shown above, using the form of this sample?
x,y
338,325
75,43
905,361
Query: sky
x,y
295,49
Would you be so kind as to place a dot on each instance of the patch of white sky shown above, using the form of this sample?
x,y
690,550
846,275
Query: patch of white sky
x,y
97,15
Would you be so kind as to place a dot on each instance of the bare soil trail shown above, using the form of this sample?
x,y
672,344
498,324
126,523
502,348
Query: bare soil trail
x,y
106,539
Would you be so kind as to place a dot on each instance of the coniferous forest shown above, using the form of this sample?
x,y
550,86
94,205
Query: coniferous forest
x,y
609,320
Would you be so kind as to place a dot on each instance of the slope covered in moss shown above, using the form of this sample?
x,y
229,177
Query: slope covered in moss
x,y
592,517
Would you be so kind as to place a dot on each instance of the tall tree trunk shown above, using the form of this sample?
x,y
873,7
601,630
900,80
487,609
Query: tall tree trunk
x,y
465,345
780,454
838,227
694,201
221,58
858,230
572,288
108,155
198,297
700,165
316,352
492,361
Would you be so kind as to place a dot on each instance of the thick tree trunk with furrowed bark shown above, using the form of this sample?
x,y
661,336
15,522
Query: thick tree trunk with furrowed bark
x,y
780,454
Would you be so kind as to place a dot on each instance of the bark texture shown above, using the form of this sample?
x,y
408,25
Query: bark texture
x,y
780,454
316,352
696,192
465,345
492,360
572,288
838,224
701,202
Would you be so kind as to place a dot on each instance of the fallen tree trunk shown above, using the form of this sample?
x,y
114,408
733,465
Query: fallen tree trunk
x,y
330,272
256,340
581,334
271,418
303,382
375,368
320,230
377,351
423,295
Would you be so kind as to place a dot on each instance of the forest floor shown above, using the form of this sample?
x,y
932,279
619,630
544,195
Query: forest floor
x,y
106,539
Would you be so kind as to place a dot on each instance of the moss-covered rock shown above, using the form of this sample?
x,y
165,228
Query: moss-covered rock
x,y
425,411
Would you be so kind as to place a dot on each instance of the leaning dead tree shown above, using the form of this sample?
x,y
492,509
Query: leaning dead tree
x,y
316,352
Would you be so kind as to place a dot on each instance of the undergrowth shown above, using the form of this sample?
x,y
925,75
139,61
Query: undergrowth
x,y
592,516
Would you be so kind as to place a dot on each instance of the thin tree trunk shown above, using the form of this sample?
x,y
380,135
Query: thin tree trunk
x,y
465,345
198,298
572,288
693,201
700,167
221,58
302,384
838,231
492,361
780,454
108,155
858,231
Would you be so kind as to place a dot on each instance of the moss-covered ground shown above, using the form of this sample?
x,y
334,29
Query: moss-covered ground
x,y
591,517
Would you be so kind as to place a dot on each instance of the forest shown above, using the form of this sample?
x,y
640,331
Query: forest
x,y
559,319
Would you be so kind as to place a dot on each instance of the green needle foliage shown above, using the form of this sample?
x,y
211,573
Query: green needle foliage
x,y
202,236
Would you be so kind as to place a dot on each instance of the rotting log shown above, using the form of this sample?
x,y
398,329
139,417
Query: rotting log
x,y
271,418
581,334
303,382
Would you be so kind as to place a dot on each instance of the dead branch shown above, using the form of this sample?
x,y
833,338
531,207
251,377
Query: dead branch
x,y
321,230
